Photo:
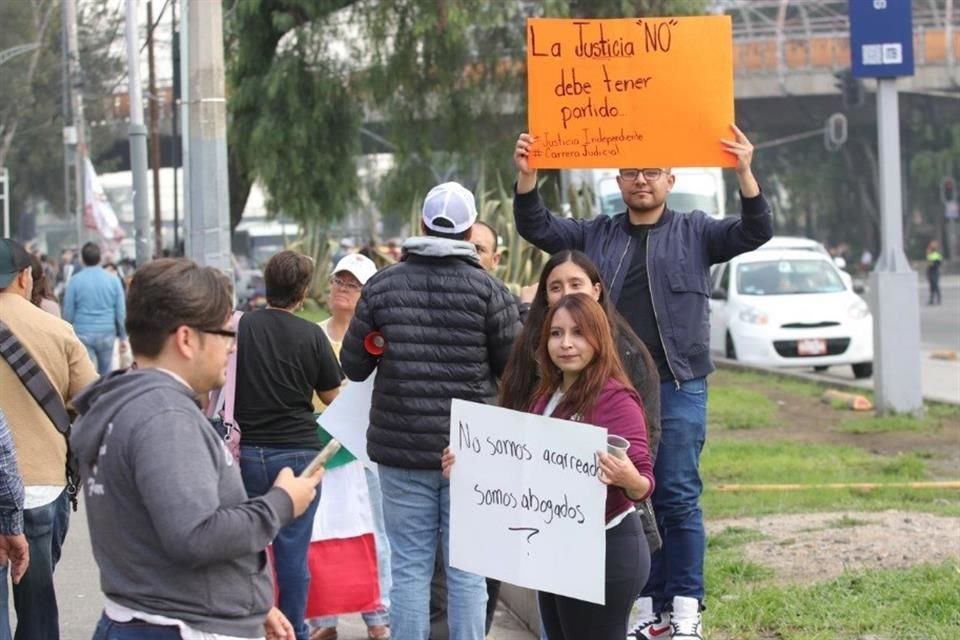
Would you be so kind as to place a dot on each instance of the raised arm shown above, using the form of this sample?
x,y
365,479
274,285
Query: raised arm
x,y
535,223
732,236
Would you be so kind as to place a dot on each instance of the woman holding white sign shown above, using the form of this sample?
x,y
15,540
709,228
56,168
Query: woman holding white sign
x,y
582,379
568,272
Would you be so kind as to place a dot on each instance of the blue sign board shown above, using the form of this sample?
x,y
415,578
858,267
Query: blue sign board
x,y
881,38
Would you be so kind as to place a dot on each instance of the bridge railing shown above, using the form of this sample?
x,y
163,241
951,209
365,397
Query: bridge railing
x,y
832,52
774,37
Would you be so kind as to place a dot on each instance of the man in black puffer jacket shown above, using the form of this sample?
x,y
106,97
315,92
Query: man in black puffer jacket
x,y
447,328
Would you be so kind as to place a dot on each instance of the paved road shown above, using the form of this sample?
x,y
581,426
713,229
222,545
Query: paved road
x,y
939,335
78,593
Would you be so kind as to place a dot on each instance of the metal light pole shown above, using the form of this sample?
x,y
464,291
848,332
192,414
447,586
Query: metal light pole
x,y
5,180
138,140
208,204
76,134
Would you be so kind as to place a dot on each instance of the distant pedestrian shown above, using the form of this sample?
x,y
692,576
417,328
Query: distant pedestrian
x,y
44,351
94,304
447,327
180,547
282,359
345,247
934,260
42,294
866,261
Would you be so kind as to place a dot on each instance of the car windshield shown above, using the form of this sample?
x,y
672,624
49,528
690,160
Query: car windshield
x,y
788,277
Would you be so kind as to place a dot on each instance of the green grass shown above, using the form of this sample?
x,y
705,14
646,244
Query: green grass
x,y
738,462
733,537
737,408
913,604
846,522
943,411
731,377
883,424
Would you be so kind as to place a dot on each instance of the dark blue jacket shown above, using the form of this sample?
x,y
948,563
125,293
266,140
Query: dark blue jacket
x,y
680,249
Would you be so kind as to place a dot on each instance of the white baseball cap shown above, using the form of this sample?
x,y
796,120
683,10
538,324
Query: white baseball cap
x,y
360,266
449,208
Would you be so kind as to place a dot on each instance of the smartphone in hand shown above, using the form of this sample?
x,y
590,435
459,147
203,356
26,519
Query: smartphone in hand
x,y
322,458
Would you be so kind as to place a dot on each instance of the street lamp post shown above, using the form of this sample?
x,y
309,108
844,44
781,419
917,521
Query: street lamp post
x,y
5,180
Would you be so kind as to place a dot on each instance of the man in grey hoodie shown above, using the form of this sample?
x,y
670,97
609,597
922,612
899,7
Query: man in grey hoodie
x,y
179,545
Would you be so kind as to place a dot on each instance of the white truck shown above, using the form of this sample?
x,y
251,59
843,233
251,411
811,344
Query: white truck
x,y
695,188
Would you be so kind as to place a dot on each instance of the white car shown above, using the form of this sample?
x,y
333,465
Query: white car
x,y
806,244
789,308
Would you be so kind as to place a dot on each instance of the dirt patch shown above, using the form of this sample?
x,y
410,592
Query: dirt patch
x,y
808,548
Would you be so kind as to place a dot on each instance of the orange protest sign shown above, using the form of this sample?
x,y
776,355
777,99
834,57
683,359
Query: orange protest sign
x,y
637,92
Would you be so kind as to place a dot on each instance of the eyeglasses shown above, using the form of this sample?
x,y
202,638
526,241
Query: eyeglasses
x,y
648,174
344,284
226,333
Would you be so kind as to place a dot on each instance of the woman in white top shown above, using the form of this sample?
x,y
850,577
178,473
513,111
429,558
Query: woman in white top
x,y
349,276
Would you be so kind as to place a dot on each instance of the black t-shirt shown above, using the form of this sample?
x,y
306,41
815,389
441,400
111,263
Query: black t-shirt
x,y
281,360
636,305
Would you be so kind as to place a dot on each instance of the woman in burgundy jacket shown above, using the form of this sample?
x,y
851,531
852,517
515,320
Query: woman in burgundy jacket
x,y
582,379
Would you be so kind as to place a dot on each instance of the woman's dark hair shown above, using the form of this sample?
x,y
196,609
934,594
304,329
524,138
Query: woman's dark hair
x,y
287,276
519,382
590,319
41,286
172,292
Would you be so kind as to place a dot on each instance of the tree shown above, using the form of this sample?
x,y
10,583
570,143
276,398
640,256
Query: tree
x,y
292,123
441,85
31,105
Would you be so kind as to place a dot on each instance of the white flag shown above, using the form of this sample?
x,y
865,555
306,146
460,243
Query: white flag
x,y
97,212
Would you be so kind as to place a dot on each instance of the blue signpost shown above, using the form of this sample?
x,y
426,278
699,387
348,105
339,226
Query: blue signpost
x,y
881,38
881,47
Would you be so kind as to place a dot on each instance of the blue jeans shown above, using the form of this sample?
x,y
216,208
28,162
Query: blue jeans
x,y
677,568
100,348
382,615
107,629
259,467
416,511
34,598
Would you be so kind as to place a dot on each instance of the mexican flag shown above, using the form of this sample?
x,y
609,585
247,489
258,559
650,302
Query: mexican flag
x,y
343,555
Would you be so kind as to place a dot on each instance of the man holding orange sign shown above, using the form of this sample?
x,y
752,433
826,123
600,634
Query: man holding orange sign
x,y
655,263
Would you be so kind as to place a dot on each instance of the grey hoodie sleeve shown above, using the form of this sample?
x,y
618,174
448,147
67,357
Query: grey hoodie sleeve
x,y
179,477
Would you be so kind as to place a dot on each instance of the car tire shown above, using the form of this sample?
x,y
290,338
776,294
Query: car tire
x,y
862,370
820,368
730,351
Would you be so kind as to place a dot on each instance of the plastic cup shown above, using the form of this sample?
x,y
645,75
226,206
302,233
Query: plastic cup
x,y
617,446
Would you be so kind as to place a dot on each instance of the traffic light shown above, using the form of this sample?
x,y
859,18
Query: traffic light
x,y
851,88
948,190
835,131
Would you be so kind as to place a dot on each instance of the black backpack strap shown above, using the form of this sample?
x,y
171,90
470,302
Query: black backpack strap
x,y
39,386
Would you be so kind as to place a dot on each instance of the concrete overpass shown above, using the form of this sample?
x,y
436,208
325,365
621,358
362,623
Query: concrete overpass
x,y
794,47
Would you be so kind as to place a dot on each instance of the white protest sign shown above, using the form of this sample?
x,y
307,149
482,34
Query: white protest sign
x,y
348,417
526,503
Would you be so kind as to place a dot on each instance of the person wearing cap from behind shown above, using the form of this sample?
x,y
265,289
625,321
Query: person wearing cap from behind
x,y
447,328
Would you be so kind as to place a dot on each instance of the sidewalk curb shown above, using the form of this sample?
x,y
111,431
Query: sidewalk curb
x,y
736,365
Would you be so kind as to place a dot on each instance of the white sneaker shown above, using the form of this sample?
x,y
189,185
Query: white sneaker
x,y
650,625
685,619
